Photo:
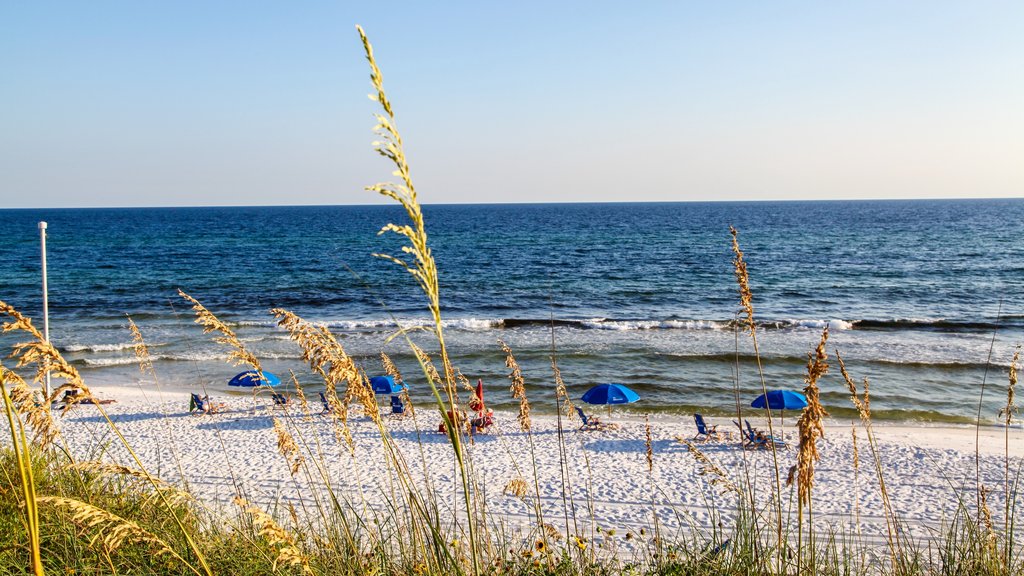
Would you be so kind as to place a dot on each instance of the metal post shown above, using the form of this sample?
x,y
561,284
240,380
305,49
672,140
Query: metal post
x,y
46,300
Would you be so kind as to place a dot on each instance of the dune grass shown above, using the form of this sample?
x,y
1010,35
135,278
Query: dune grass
x,y
63,516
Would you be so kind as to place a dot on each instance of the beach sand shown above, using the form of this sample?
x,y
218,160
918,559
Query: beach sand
x,y
608,486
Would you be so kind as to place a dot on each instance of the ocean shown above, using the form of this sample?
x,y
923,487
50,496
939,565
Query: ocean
x,y
924,297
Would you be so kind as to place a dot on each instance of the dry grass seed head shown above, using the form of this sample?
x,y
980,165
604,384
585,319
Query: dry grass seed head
x,y
210,323
287,446
1008,411
140,349
288,553
303,402
810,425
648,444
714,473
861,404
561,393
743,280
27,404
328,358
856,452
517,387
516,487
112,530
390,368
428,364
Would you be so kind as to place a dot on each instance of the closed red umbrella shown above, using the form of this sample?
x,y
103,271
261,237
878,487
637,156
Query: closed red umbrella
x,y
477,402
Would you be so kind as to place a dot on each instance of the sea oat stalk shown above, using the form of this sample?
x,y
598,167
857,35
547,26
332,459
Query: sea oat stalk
x,y
288,552
239,353
863,405
810,428
747,309
517,387
23,455
418,261
1008,412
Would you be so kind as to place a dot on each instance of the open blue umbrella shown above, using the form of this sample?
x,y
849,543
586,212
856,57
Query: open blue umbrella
x,y
780,400
384,385
251,379
609,394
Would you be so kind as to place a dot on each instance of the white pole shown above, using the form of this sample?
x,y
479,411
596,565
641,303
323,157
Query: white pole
x,y
46,300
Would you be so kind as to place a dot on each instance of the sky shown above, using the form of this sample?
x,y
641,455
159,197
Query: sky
x,y
108,103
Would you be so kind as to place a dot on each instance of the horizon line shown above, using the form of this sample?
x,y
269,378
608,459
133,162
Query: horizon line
x,y
608,202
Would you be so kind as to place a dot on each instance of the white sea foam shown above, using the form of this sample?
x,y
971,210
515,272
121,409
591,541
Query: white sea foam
x,y
833,325
102,347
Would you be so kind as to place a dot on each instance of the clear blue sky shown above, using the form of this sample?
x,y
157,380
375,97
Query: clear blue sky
x,y
106,103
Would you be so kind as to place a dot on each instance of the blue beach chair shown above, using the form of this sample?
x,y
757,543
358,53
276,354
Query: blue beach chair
x,y
705,432
397,408
589,423
204,405
752,439
280,399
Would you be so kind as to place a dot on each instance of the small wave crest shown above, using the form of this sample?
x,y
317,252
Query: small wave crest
x,y
103,347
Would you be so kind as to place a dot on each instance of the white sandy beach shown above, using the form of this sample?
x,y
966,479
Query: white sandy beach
x,y
608,482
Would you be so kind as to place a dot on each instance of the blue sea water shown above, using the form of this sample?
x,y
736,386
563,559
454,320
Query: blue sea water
x,y
916,293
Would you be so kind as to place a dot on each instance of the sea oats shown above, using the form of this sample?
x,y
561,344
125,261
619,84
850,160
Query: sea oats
x,y
743,280
1008,411
861,403
517,387
714,473
392,370
26,403
561,393
110,529
810,425
208,320
301,395
140,349
648,444
288,552
517,487
326,357
287,446
48,360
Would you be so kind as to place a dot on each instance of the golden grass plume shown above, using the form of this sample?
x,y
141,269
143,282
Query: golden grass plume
x,y
810,425
561,393
110,529
210,323
141,350
44,355
743,280
517,387
714,473
1007,412
288,552
287,446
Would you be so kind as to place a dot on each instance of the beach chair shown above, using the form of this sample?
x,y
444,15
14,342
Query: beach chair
x,y
397,407
482,423
204,405
280,399
765,437
705,432
754,439
589,423
327,405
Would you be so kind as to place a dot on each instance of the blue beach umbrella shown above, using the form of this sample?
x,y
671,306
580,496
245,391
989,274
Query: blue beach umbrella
x,y
609,394
781,400
251,379
384,385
